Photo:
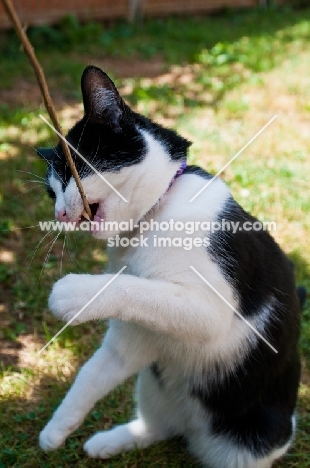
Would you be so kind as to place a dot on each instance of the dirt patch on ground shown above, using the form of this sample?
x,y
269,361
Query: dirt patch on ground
x,y
9,353
127,68
27,93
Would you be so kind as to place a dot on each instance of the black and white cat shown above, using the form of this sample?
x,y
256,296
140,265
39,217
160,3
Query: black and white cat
x,y
203,372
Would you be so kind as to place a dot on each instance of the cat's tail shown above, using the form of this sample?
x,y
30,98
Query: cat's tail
x,y
302,295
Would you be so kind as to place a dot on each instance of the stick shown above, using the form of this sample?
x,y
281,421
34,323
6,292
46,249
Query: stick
x,y
10,10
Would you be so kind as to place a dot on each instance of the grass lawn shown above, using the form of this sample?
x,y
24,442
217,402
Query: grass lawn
x,y
217,80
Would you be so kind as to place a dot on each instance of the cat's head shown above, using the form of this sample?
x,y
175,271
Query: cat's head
x,y
125,160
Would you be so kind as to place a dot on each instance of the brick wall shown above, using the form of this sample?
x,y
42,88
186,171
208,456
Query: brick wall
x,y
35,12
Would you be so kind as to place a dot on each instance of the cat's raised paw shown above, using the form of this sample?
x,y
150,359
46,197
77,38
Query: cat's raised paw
x,y
68,296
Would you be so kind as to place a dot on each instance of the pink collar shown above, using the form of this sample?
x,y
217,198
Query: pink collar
x,y
177,174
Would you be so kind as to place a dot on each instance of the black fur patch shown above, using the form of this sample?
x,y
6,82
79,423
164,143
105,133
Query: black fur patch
x,y
198,171
251,262
253,405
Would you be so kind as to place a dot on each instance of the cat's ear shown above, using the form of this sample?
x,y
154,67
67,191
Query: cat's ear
x,y
47,154
102,101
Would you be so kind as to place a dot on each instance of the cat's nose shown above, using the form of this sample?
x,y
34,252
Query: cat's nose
x,y
62,215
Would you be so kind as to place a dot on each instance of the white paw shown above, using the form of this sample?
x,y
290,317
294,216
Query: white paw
x,y
51,438
69,295
103,445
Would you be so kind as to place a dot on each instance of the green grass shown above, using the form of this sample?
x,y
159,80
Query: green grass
x,y
217,80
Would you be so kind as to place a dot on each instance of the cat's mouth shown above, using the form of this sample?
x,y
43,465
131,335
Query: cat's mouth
x,y
95,225
93,208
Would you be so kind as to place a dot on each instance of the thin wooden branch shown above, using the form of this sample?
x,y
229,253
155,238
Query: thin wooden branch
x,y
11,12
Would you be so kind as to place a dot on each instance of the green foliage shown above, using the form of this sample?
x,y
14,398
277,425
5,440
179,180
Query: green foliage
x,y
67,34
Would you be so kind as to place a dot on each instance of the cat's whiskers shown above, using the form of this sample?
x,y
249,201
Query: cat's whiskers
x,y
34,251
80,139
74,238
50,242
78,145
36,181
48,161
48,254
35,175
29,190
42,191
19,228
56,152
91,159
69,254
62,254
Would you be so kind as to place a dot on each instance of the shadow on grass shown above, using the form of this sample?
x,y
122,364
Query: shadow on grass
x,y
22,420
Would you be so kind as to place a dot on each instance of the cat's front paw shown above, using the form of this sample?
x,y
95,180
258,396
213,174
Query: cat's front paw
x,y
102,445
51,438
68,297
